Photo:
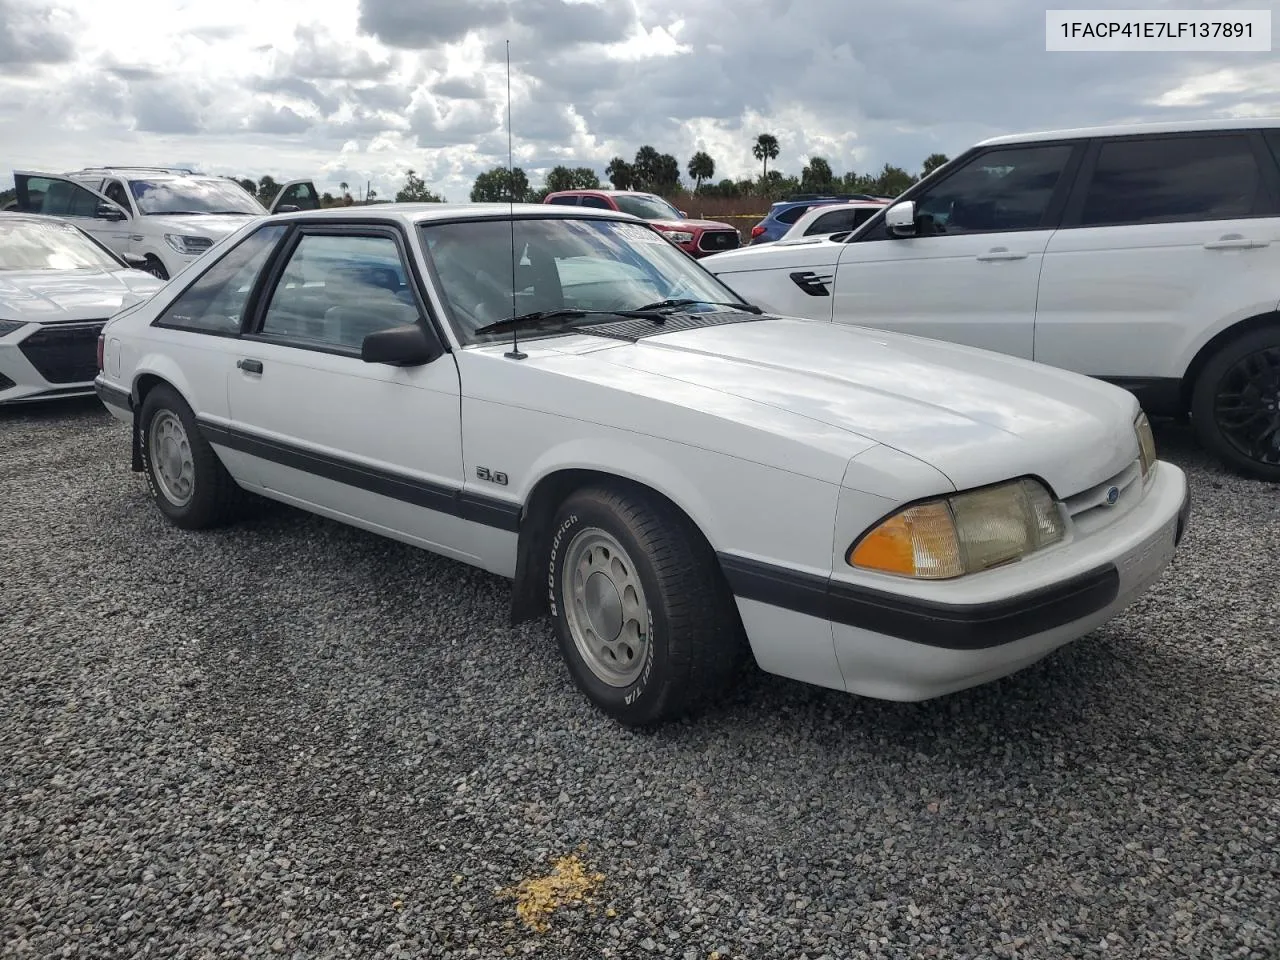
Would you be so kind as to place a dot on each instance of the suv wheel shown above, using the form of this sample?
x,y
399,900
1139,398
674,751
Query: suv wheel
x,y
154,267
1235,404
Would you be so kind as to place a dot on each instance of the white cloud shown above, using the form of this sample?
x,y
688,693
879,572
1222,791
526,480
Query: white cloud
x,y
361,90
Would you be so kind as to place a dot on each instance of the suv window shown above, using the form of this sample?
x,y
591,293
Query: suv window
x,y
599,203
792,215
1002,189
571,201
838,220
215,302
61,198
337,289
1167,179
116,194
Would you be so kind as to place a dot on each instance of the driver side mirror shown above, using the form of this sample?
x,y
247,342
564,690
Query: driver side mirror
x,y
900,219
406,346
134,260
684,214
287,208
108,211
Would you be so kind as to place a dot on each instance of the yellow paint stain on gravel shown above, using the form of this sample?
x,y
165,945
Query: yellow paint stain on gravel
x,y
567,883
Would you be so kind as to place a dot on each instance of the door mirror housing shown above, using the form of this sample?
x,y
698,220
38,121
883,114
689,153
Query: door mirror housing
x,y
406,346
135,260
684,214
900,219
108,211
287,208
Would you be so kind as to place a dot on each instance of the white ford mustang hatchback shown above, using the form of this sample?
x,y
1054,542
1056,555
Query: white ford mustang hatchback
x,y
674,477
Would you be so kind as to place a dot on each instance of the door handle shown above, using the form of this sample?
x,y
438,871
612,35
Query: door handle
x,y
250,366
1233,241
1001,253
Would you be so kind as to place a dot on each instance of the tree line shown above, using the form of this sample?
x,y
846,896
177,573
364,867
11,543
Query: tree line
x,y
660,173
648,170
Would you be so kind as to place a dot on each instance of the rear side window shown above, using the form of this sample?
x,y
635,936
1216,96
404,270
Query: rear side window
x,y
598,202
1169,179
838,220
792,215
215,303
564,201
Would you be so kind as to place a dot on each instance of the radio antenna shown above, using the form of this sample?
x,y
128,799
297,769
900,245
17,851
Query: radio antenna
x,y
514,353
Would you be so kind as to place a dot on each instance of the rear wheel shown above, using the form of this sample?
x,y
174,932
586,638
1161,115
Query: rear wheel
x,y
1235,404
642,614
187,480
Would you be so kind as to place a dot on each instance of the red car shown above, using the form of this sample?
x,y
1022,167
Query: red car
x,y
698,238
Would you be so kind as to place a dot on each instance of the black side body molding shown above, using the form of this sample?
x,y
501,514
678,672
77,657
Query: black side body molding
x,y
455,501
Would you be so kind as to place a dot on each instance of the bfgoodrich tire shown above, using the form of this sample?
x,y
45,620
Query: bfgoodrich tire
x,y
642,614
1235,404
186,479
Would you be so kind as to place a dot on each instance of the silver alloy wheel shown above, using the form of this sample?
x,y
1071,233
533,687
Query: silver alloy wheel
x,y
605,607
171,460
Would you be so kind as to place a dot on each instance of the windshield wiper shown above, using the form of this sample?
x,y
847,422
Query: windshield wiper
x,y
563,316
685,302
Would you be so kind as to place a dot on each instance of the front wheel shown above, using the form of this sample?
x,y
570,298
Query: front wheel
x,y
154,267
642,614
187,480
1235,404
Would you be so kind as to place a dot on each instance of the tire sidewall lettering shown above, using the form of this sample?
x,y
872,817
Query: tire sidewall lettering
x,y
638,688
553,558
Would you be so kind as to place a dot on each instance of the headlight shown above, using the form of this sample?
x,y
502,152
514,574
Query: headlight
x,y
1146,444
8,326
679,236
963,533
191,246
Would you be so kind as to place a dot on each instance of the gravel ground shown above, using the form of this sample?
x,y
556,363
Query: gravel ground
x,y
294,739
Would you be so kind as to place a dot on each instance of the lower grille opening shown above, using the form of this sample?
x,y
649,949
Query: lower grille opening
x,y
66,353
715,240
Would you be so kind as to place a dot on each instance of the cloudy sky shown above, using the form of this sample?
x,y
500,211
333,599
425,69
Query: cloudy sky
x,y
360,90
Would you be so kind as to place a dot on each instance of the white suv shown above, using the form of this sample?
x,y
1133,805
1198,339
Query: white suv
x,y
160,218
1147,255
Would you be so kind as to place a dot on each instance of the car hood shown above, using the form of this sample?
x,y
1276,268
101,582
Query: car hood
x,y
978,417
46,296
687,224
213,226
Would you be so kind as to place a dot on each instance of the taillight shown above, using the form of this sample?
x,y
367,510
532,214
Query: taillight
x,y
757,230
102,341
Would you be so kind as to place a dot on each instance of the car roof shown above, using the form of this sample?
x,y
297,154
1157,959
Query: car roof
x,y
607,193
427,212
1132,129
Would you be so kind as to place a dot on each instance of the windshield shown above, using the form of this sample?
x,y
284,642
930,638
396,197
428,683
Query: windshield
x,y
33,245
646,208
561,263
191,195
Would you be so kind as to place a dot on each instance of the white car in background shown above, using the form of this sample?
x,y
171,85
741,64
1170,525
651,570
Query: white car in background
x,y
1147,255
58,287
829,218
671,475
166,216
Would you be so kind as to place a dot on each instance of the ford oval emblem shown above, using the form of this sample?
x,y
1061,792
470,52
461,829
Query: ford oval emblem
x,y
1113,494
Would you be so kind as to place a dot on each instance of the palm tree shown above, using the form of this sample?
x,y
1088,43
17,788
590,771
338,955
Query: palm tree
x,y
701,167
765,149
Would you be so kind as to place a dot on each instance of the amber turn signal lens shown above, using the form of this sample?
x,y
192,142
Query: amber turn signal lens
x,y
918,542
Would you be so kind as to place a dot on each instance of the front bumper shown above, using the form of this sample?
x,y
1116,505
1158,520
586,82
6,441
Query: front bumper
x,y
49,361
940,638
